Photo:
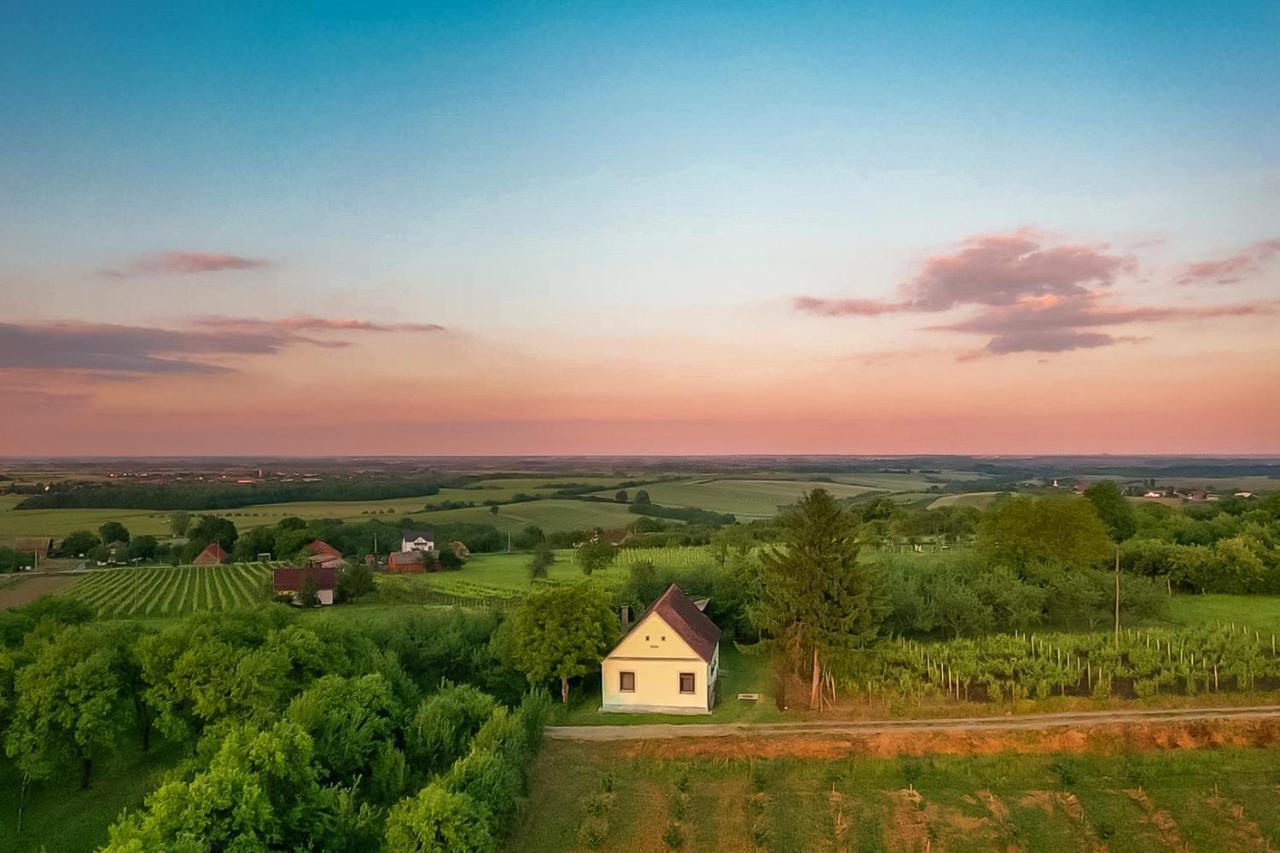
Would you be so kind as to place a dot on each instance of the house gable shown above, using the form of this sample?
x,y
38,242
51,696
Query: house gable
x,y
653,638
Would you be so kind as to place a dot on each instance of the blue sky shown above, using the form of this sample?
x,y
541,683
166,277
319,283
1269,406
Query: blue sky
x,y
539,170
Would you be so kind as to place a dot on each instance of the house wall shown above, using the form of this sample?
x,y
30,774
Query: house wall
x,y
410,545
657,656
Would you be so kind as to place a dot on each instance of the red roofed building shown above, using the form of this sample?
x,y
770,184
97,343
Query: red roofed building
x,y
407,562
289,581
320,548
211,556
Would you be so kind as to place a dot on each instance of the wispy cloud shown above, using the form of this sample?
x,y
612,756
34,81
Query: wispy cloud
x,y
185,263
119,350
1031,294
310,323
1244,264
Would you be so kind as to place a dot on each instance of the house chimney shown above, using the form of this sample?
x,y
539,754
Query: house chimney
x,y
626,616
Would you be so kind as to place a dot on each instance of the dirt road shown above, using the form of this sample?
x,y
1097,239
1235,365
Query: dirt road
x,y
1021,722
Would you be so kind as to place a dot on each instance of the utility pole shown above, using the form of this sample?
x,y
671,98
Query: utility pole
x,y
1117,596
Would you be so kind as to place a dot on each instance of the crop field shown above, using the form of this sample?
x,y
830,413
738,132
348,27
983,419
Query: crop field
x,y
550,515
59,522
675,558
1206,658
640,798
745,499
981,500
505,574
173,591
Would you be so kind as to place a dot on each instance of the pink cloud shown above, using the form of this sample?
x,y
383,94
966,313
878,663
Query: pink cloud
x,y
132,351
185,263
1234,268
311,323
1032,294
1000,269
844,307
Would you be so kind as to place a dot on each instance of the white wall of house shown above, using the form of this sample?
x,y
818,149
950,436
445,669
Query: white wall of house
x,y
657,656
416,545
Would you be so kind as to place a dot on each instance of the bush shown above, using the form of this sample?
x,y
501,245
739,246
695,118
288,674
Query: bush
x,y
444,725
438,820
492,781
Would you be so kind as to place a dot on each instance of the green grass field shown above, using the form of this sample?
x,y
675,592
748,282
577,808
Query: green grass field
x,y
981,500
744,498
1222,800
60,817
57,523
163,591
550,515
1260,612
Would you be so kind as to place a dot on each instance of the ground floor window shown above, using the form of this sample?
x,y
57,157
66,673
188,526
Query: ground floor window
x,y
627,682
686,682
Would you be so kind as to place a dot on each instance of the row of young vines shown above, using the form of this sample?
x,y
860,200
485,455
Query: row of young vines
x,y
999,667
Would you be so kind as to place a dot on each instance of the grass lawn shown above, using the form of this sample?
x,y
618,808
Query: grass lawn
x,y
739,673
61,818
1260,612
1220,800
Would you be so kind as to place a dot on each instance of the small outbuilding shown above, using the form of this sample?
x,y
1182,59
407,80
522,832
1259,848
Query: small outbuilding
x,y
407,562
213,555
667,663
289,581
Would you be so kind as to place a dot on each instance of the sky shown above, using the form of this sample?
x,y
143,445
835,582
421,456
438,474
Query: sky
x,y
592,228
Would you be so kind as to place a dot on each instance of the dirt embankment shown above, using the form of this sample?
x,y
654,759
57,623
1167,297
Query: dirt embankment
x,y
1107,738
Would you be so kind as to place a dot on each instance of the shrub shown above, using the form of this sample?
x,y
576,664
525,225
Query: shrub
x,y
444,725
438,820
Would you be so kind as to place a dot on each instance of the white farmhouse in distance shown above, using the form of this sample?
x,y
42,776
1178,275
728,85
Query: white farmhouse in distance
x,y
667,663
417,540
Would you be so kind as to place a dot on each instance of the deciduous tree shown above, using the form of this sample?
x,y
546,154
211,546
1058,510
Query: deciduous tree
x,y
560,632
1113,508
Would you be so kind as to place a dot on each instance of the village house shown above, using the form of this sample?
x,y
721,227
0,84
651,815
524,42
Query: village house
x,y
667,663
213,555
407,562
320,554
417,540
289,581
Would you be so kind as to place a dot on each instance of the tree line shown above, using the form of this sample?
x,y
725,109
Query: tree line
x,y
407,734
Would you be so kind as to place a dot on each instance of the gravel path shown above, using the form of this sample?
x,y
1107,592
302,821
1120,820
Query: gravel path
x,y
1020,722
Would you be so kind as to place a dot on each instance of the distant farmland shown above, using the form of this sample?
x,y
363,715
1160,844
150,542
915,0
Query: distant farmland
x,y
173,591
550,515
745,499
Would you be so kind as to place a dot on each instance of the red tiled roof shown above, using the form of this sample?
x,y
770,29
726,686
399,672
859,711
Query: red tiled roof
x,y
210,555
290,580
406,557
684,617
321,547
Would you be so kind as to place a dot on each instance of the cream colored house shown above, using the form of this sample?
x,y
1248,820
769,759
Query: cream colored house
x,y
667,663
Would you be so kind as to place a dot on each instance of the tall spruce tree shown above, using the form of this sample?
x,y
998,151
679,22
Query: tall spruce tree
x,y
816,601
